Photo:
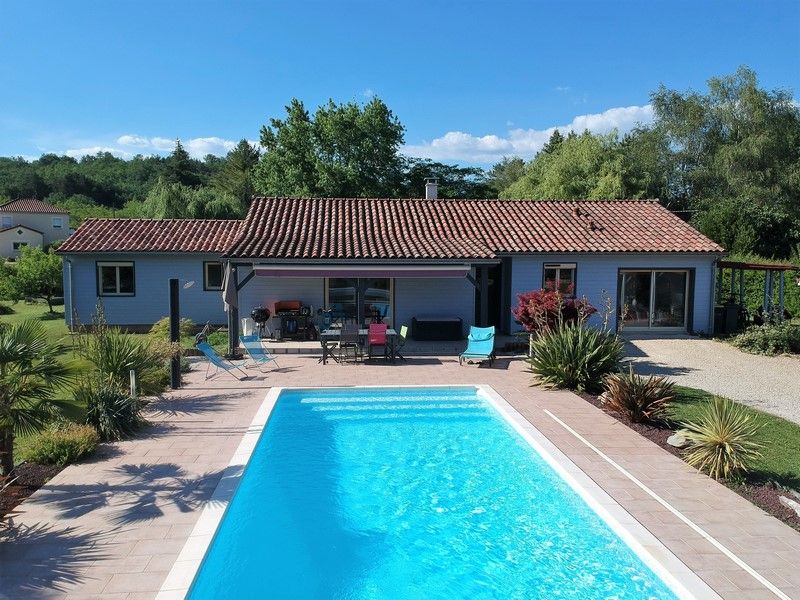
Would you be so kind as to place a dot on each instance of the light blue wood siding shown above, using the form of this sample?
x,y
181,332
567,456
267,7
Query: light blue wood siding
x,y
151,301
597,279
434,298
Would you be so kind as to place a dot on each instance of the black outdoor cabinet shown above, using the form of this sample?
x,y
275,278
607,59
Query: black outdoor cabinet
x,y
437,328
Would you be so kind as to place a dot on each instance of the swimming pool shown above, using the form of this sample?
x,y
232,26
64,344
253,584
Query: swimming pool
x,y
409,493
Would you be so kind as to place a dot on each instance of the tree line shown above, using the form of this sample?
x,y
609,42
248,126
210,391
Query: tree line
x,y
728,160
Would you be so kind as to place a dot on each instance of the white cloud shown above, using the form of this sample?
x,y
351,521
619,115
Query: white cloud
x,y
368,93
461,146
92,150
199,147
562,88
133,140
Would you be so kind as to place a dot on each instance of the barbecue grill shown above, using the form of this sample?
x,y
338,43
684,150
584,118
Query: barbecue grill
x,y
295,320
261,316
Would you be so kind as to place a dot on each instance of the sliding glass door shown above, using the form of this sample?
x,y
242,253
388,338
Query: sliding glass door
x,y
653,299
364,300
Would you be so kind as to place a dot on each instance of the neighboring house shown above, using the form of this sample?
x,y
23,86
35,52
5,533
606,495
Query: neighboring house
x,y
29,222
464,259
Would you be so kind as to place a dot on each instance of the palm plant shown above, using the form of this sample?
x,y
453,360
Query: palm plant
x,y
636,397
722,441
29,374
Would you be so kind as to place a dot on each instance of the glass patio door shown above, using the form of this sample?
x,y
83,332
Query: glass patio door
x,y
653,299
363,300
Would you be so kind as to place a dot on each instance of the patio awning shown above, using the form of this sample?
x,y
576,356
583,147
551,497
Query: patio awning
x,y
396,271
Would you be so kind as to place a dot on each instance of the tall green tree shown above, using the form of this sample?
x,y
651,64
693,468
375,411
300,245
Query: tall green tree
x,y
179,167
736,150
30,372
503,174
235,177
580,166
344,150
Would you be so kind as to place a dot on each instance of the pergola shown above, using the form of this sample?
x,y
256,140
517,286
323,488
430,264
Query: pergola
x,y
771,273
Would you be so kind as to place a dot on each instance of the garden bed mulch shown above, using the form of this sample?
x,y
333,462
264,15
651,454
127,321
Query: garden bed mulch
x,y
28,477
764,494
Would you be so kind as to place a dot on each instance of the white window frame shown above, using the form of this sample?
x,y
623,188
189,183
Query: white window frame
x,y
558,268
206,286
106,264
59,220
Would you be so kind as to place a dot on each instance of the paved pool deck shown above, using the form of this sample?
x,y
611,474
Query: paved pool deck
x,y
113,527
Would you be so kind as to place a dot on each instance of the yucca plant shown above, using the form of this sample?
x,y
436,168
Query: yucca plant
x,y
575,356
723,439
113,413
636,397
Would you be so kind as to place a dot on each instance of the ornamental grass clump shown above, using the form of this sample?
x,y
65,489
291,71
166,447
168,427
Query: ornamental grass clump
x,y
636,397
62,443
723,440
574,356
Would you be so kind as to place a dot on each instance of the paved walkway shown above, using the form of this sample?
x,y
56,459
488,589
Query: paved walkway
x,y
768,383
113,527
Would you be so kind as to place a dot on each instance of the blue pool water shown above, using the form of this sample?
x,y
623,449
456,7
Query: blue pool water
x,y
409,493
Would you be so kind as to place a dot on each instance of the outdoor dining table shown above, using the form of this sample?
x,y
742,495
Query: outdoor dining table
x,y
333,335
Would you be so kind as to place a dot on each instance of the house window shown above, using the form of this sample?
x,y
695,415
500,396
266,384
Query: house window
x,y
57,222
115,279
560,277
7,221
19,245
364,300
212,275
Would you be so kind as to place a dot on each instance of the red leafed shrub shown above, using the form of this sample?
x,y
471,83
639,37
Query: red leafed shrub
x,y
540,310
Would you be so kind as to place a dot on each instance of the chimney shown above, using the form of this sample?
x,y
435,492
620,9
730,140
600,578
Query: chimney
x,y
431,188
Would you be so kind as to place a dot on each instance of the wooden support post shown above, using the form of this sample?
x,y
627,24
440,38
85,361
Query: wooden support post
x,y
484,297
233,316
174,332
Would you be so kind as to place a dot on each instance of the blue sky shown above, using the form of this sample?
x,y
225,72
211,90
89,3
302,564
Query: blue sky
x,y
471,81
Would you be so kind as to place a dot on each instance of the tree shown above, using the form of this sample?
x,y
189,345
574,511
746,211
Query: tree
x,y
735,151
553,143
506,172
235,177
29,373
454,181
179,167
177,201
344,150
288,165
581,166
37,274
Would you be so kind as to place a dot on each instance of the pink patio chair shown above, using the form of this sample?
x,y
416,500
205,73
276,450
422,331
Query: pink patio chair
x,y
376,337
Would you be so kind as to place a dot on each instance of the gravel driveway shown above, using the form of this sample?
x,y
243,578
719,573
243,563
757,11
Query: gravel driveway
x,y
769,383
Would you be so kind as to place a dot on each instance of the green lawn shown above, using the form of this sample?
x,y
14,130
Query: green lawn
x,y
780,460
56,331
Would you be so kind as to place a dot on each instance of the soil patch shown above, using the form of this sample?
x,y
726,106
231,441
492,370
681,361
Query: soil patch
x,y
26,479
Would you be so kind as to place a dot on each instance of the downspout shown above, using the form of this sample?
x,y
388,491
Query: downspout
x,y
69,313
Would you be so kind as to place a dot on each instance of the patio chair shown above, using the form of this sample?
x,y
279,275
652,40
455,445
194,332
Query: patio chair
x,y
219,362
376,338
349,340
256,351
480,345
402,338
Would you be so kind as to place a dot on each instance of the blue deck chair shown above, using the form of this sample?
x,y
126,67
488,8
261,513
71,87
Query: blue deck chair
x,y
257,353
480,345
216,360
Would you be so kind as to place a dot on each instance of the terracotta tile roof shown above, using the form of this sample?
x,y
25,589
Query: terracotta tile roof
x,y
31,205
152,235
367,228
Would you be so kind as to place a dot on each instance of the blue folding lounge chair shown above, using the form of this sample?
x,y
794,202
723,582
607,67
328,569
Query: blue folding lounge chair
x,y
480,345
256,352
216,360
